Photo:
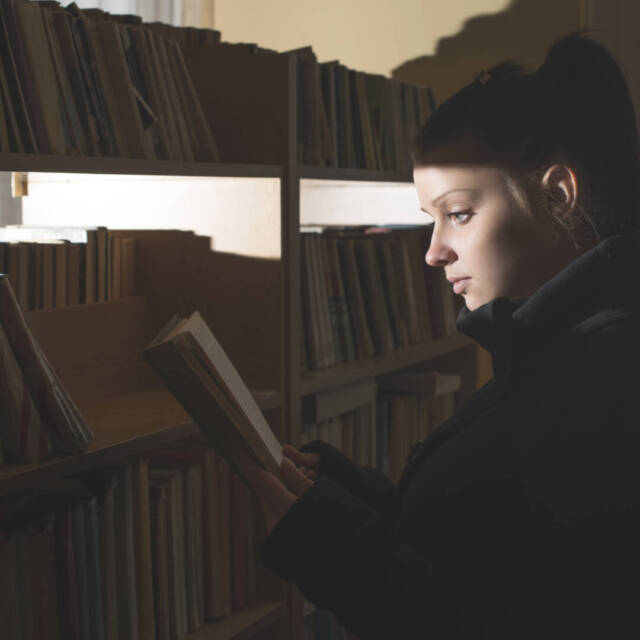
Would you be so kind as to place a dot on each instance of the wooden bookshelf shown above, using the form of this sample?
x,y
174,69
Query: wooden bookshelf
x,y
253,305
349,372
243,624
29,162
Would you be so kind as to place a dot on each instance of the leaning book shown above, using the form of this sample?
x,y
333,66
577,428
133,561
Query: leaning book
x,y
187,356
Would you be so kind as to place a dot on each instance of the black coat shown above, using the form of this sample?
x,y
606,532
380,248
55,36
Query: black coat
x,y
520,516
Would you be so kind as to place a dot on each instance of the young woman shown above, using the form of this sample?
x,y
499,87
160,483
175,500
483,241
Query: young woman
x,y
520,516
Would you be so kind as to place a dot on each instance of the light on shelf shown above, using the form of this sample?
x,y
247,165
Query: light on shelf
x,y
230,210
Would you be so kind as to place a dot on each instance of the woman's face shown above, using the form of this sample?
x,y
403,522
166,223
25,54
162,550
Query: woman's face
x,y
484,236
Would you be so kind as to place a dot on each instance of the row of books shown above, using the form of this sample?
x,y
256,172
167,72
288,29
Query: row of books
x,y
37,415
83,82
55,267
375,423
366,291
351,119
152,549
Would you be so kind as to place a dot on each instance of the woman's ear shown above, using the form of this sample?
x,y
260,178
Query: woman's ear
x,y
560,187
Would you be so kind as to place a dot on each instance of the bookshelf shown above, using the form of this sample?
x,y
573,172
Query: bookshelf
x,y
253,303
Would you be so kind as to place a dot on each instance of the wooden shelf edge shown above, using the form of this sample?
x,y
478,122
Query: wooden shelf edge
x,y
19,477
133,166
242,624
348,372
330,173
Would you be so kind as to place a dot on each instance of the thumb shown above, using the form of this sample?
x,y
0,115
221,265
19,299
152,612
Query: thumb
x,y
293,478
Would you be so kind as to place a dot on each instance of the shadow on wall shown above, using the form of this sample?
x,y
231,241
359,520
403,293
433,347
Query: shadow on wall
x,y
522,33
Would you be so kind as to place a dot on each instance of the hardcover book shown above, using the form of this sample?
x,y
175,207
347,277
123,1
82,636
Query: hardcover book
x,y
187,356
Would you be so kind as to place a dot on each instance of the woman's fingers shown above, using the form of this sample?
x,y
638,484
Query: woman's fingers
x,y
309,460
293,478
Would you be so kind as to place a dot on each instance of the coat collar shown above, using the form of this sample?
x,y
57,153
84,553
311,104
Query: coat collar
x,y
604,277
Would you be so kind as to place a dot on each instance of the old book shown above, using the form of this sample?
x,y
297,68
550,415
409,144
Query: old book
x,y
21,132
65,425
189,463
338,308
23,435
108,557
355,298
61,23
94,573
194,365
37,75
128,269
311,318
128,626
216,592
160,559
142,543
70,118
172,479
373,295
75,259
60,270
45,589
67,577
239,532
116,267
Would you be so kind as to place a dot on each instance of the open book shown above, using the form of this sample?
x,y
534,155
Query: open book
x,y
187,356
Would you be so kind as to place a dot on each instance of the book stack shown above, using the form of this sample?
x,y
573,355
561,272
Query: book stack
x,y
366,291
351,119
55,267
152,549
77,82
37,415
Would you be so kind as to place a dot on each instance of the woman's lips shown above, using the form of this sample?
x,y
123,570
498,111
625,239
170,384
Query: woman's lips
x,y
460,285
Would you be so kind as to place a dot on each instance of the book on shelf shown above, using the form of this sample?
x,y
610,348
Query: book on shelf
x,y
59,425
57,266
366,291
187,356
84,82
120,552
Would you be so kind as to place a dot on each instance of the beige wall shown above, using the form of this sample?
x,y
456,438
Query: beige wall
x,y
370,35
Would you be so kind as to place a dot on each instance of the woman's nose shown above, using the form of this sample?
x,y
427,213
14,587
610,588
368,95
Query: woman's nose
x,y
439,253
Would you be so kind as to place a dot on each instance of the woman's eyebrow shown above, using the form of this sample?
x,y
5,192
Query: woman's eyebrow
x,y
446,193
442,195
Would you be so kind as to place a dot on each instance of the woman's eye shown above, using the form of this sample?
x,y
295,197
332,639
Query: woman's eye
x,y
461,217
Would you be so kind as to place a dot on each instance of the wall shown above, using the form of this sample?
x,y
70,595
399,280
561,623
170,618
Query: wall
x,y
369,36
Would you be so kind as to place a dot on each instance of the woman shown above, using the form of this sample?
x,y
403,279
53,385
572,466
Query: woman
x,y
520,516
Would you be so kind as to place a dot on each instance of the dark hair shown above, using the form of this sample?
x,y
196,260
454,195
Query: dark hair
x,y
575,109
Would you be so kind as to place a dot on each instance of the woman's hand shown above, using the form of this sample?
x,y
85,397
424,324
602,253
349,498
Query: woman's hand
x,y
276,496
308,463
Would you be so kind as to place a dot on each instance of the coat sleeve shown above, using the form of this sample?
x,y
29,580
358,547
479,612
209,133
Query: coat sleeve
x,y
345,558
366,483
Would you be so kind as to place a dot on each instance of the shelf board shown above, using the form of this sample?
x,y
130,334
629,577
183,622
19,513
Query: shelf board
x,y
132,166
124,425
349,372
242,624
331,173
